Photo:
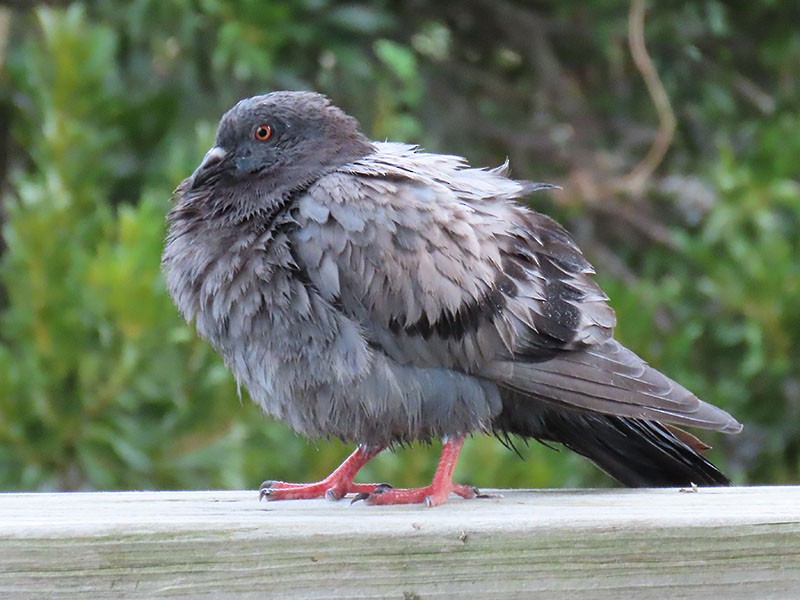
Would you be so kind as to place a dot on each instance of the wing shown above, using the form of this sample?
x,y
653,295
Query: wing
x,y
441,268
448,272
610,379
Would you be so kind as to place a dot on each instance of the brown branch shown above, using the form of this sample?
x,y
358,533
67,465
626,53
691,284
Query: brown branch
x,y
635,181
650,228
750,91
608,261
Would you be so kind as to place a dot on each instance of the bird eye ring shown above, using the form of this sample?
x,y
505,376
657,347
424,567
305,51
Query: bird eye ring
x,y
263,132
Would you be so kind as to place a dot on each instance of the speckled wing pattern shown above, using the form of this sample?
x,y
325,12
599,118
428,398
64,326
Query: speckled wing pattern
x,y
440,267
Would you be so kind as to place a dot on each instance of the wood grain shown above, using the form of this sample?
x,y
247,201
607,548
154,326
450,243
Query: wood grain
x,y
715,543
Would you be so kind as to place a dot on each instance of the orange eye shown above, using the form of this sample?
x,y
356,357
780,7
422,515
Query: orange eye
x,y
263,132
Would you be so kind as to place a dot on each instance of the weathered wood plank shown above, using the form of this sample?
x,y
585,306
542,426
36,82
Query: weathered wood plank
x,y
716,543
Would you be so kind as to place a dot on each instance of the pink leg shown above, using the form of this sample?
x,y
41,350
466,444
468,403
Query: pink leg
x,y
437,492
334,486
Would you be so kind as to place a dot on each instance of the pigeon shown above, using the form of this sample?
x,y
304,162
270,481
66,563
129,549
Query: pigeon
x,y
382,295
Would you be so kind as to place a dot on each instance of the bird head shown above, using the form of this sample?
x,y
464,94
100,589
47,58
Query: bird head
x,y
268,147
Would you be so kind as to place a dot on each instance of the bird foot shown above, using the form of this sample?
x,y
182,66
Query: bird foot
x,y
340,483
334,487
331,490
431,495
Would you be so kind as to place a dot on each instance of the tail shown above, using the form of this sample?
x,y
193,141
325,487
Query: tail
x,y
606,403
635,452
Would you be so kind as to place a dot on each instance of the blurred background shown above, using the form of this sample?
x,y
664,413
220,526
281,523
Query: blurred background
x,y
674,132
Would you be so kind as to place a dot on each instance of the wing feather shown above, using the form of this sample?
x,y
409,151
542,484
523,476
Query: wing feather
x,y
439,267
611,379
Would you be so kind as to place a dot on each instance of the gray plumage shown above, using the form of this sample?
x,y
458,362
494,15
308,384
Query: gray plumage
x,y
380,294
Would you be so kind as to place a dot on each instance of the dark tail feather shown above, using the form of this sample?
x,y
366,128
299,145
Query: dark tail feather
x,y
635,452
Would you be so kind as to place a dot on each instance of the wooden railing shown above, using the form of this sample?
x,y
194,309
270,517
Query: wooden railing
x,y
705,543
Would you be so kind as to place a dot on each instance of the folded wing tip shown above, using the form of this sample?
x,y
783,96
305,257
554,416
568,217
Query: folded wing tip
x,y
714,418
529,187
732,426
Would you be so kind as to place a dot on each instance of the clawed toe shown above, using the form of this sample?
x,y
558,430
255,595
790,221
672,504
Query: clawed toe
x,y
281,490
381,488
265,489
332,495
485,495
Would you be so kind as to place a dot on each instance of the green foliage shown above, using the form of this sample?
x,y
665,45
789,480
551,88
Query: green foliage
x,y
111,104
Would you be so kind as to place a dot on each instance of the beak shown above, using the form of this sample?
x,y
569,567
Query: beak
x,y
208,166
212,157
